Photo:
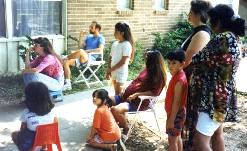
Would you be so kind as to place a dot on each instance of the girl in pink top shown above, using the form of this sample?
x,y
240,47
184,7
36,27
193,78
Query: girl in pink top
x,y
45,68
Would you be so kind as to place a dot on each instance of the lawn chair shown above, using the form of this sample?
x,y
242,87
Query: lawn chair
x,y
46,135
92,67
152,101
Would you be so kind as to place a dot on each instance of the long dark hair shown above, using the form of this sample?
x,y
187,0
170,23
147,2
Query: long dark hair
x,y
103,95
155,68
224,15
201,7
48,48
37,98
123,27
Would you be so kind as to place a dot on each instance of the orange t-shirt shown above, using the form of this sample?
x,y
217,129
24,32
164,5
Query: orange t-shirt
x,y
106,125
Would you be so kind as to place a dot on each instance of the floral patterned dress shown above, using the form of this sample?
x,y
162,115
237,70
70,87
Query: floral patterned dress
x,y
213,87
213,79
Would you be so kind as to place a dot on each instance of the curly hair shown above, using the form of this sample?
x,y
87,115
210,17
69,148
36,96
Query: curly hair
x,y
224,16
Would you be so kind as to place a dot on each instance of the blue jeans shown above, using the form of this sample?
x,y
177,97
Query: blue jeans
x,y
51,83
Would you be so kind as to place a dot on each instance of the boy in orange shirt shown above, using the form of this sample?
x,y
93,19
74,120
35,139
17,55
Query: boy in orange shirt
x,y
175,102
105,132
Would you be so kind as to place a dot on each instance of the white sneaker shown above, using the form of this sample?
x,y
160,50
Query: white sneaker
x,y
67,86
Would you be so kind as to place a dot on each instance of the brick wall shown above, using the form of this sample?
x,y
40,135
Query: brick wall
x,y
142,19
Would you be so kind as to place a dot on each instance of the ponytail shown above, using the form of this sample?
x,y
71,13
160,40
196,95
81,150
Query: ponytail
x,y
103,95
238,26
123,27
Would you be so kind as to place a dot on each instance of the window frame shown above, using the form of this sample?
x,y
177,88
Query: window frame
x,y
131,4
164,8
9,23
5,22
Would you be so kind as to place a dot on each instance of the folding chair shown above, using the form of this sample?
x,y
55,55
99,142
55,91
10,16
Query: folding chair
x,y
46,135
152,101
96,65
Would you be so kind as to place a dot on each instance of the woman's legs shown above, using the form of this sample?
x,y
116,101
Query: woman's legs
x,y
201,142
119,113
218,140
51,83
118,87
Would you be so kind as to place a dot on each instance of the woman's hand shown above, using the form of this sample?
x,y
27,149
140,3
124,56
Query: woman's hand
x,y
132,97
30,49
108,74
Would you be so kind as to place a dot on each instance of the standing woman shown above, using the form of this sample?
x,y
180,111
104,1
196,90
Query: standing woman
x,y
46,67
193,44
213,78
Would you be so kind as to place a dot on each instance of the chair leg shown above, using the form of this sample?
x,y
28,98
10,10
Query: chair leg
x,y
94,75
156,121
134,121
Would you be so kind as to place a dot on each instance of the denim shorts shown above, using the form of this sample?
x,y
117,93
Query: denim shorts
x,y
131,107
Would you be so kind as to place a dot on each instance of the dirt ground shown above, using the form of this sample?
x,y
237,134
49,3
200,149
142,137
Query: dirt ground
x,y
235,134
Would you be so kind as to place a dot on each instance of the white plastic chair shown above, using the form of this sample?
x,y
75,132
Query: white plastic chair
x,y
96,64
152,101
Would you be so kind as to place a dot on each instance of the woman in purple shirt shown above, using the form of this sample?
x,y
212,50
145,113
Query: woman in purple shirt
x,y
46,67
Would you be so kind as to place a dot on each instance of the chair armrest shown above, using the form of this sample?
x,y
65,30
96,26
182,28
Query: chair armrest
x,y
95,53
147,97
152,100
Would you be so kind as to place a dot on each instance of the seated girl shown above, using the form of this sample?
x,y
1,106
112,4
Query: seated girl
x,y
150,82
37,112
105,132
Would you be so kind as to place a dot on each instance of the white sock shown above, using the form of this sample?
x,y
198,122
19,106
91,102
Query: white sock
x,y
68,81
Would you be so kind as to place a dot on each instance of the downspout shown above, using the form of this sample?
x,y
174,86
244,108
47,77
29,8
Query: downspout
x,y
65,24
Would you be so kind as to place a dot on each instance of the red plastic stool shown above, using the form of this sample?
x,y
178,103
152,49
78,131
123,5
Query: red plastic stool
x,y
46,135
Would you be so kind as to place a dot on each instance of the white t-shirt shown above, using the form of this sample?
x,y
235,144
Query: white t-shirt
x,y
33,120
118,50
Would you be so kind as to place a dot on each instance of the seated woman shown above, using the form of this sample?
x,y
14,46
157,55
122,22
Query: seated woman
x,y
150,82
46,67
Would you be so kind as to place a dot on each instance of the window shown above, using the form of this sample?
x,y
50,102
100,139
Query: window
x,y
124,4
2,19
159,5
36,17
